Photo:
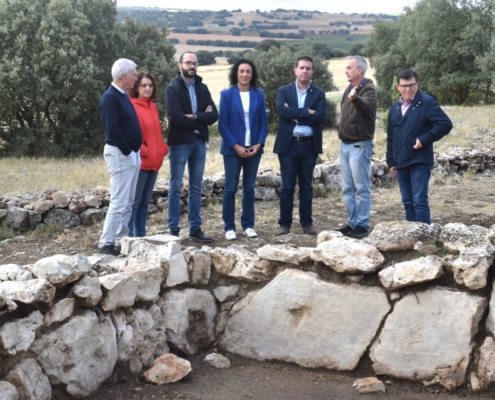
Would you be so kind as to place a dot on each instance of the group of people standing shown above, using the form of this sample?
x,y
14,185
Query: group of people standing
x,y
134,149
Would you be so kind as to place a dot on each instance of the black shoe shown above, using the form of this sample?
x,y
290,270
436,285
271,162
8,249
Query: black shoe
x,y
117,249
359,232
199,236
309,230
175,233
345,230
108,250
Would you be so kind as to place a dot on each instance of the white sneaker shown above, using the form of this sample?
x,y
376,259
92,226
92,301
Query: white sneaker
x,y
230,235
250,233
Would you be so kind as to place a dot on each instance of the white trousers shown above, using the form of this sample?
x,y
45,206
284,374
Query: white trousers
x,y
124,172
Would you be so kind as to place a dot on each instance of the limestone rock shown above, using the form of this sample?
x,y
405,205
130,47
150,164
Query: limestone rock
x,y
18,335
224,293
262,193
61,217
411,272
329,175
30,381
138,340
281,253
8,391
325,236
471,267
92,201
237,262
486,363
429,337
490,320
60,311
60,269
13,272
199,266
456,236
349,256
77,206
121,290
167,369
91,216
88,289
217,360
40,206
371,385
320,324
428,249
178,272
80,354
156,240
7,305
60,199
400,235
34,291
21,219
189,317
148,280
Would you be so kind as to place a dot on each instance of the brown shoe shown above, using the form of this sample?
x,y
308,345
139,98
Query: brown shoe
x,y
283,230
309,230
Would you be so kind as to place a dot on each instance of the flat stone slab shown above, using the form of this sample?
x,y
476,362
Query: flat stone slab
x,y
350,256
457,236
411,272
399,235
429,337
299,318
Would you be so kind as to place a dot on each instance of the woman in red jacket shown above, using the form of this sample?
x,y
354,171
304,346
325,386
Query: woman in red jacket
x,y
153,150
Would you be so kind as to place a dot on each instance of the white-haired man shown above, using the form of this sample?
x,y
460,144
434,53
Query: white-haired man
x,y
121,152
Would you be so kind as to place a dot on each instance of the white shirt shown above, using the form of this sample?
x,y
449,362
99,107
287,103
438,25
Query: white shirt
x,y
245,106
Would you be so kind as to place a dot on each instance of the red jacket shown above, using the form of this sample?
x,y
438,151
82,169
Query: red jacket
x,y
153,149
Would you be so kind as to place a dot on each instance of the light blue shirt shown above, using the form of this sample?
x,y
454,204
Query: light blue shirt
x,y
192,94
302,130
119,89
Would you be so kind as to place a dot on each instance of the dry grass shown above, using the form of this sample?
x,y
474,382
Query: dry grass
x,y
22,175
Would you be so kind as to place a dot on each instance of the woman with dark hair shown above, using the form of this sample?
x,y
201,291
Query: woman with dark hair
x,y
243,126
153,149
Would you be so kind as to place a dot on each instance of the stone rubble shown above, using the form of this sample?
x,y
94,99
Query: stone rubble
x,y
412,272
167,369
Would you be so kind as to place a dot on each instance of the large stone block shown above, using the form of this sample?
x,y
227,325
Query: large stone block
x,y
79,354
428,337
299,318
189,317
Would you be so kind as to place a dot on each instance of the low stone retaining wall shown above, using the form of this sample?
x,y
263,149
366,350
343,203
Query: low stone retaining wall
x,y
86,207
70,320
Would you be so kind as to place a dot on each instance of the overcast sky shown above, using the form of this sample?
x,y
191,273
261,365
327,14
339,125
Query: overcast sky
x,y
359,6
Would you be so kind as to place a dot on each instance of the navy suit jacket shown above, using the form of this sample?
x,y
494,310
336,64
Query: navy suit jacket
x,y
231,122
315,100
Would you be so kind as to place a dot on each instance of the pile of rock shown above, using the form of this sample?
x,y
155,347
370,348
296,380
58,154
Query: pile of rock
x,y
69,320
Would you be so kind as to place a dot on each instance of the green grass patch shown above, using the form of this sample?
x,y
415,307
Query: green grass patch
x,y
6,232
335,41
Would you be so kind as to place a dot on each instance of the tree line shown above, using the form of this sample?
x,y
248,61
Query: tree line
x,y
56,57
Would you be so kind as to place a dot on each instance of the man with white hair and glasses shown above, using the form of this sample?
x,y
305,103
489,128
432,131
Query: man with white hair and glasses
x,y
121,153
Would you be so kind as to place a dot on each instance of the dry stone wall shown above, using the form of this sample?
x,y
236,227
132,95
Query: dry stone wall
x,y
68,321
86,207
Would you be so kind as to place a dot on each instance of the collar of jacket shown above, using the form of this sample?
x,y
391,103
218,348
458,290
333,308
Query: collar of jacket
x,y
141,102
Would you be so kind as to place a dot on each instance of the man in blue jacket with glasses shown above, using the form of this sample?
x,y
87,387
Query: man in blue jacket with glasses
x,y
415,121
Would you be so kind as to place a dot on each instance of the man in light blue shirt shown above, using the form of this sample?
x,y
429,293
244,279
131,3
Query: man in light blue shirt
x,y
301,107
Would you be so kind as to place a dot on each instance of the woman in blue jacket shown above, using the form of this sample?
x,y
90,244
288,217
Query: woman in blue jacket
x,y
243,126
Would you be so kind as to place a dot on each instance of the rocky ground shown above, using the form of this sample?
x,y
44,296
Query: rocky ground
x,y
465,200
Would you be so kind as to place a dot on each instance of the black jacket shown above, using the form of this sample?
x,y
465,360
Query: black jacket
x,y
181,128
315,100
357,121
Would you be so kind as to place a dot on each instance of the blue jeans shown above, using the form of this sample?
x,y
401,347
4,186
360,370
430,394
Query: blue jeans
x,y
194,154
413,184
297,164
233,166
123,171
144,190
355,164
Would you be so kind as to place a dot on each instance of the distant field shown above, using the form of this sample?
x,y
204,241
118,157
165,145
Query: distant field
x,y
336,41
215,76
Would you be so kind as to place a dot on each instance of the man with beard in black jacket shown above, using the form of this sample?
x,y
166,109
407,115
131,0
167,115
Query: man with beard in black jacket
x,y
190,109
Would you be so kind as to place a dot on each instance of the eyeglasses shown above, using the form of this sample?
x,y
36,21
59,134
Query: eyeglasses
x,y
190,63
410,86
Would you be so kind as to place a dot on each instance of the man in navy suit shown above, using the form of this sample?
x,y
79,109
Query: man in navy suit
x,y
414,123
301,107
